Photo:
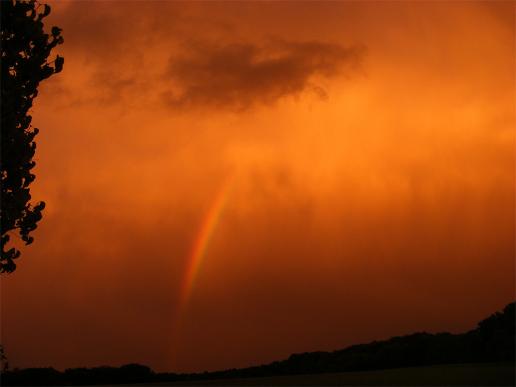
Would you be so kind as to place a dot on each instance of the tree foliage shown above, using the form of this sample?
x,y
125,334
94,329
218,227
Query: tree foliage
x,y
25,63
4,364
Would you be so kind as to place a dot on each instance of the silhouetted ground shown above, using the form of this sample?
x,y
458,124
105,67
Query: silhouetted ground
x,y
487,355
446,375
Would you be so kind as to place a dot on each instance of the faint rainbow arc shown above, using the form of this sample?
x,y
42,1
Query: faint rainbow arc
x,y
202,240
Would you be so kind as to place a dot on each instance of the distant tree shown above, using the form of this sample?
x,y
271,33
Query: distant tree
x,y
25,51
4,364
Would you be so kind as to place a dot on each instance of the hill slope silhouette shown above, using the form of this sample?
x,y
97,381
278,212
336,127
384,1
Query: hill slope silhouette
x,y
492,341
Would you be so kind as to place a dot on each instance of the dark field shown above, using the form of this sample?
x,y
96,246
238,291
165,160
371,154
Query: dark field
x,y
446,375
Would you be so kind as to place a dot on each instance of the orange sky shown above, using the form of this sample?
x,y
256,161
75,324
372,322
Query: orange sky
x,y
230,183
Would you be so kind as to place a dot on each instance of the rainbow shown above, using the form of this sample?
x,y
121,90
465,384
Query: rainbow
x,y
202,241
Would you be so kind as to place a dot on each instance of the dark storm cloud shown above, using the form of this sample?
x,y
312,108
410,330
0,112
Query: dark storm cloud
x,y
124,58
241,75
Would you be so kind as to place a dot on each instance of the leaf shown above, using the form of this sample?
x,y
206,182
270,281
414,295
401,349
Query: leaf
x,y
58,64
46,10
56,31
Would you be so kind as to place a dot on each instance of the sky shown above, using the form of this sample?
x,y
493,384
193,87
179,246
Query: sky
x,y
228,183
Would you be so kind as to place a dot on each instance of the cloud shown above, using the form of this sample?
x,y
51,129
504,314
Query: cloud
x,y
155,54
241,75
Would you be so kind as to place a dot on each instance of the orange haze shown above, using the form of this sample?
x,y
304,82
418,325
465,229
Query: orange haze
x,y
230,183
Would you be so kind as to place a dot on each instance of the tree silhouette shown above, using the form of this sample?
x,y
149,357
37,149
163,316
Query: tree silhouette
x,y
25,51
4,364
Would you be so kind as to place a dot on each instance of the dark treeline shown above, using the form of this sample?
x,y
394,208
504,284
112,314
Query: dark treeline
x,y
493,340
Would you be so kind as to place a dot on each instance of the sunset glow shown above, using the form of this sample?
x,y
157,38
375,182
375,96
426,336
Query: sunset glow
x,y
258,179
